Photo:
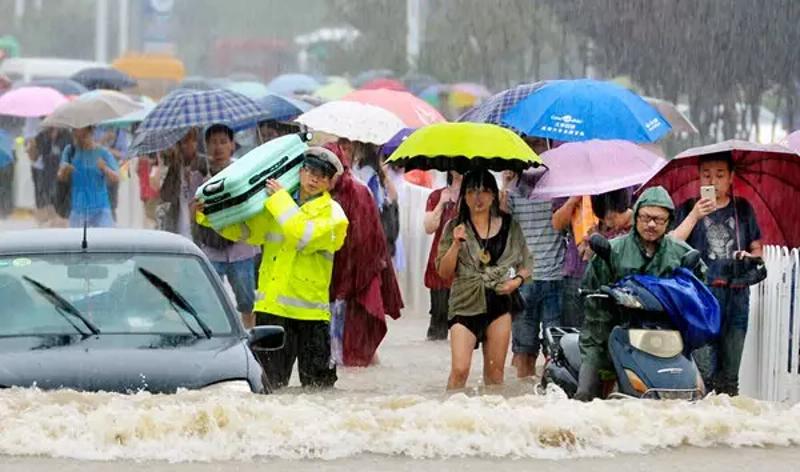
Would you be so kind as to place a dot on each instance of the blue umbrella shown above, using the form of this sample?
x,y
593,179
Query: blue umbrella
x,y
95,78
290,84
65,86
276,107
190,108
493,109
579,110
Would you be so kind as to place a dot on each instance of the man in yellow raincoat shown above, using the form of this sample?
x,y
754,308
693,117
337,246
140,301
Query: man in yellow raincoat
x,y
300,234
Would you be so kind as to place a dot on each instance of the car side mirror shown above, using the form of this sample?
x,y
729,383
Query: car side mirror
x,y
601,247
691,259
266,338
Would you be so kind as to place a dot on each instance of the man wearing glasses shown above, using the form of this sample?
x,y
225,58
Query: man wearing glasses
x,y
646,250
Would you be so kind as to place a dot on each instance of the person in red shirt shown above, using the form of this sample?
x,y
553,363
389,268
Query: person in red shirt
x,y
442,206
147,193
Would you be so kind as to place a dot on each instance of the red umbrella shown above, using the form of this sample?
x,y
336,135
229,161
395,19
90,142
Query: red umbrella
x,y
413,111
384,83
766,175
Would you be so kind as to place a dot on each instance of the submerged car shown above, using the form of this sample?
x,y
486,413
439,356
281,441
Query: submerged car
x,y
120,311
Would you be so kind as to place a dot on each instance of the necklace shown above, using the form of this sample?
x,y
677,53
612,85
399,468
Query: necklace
x,y
484,256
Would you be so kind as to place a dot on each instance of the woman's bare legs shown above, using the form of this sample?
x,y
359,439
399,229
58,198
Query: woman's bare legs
x,y
495,350
462,343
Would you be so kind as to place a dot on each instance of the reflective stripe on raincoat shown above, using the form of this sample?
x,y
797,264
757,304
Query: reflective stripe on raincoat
x,y
299,244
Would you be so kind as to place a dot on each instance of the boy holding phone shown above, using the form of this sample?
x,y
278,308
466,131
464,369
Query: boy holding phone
x,y
723,229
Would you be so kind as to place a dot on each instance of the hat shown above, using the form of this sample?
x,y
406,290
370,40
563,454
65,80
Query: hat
x,y
324,159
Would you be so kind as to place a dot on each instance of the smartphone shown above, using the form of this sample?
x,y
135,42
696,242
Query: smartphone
x,y
709,192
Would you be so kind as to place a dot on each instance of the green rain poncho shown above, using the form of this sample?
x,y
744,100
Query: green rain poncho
x,y
627,257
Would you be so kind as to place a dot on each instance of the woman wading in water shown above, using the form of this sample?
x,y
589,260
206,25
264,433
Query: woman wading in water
x,y
485,253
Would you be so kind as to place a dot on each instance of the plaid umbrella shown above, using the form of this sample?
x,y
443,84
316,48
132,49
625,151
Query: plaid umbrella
x,y
493,109
146,142
191,108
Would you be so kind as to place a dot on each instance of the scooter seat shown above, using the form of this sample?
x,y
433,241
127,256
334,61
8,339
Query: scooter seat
x,y
571,348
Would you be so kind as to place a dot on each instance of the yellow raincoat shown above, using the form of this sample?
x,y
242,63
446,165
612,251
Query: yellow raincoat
x,y
299,243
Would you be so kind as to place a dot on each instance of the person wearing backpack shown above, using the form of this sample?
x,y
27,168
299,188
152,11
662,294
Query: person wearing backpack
x,y
88,169
233,261
367,166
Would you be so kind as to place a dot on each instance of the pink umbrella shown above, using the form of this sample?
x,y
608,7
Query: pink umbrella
x,y
31,102
594,167
792,141
413,111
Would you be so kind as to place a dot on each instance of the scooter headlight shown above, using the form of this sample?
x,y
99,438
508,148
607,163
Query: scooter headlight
x,y
660,343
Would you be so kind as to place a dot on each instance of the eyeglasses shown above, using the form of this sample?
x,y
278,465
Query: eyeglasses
x,y
647,219
314,172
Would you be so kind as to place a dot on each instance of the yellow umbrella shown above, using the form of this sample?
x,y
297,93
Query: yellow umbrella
x,y
464,146
335,89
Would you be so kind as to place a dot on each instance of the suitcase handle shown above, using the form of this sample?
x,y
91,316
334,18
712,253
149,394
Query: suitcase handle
x,y
214,187
266,172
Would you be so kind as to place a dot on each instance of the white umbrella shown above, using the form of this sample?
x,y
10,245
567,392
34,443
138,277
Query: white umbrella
x,y
354,121
91,109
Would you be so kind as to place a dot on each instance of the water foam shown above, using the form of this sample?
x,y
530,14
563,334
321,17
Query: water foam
x,y
205,426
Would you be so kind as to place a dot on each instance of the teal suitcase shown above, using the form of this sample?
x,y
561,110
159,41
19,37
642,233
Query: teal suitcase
x,y
238,192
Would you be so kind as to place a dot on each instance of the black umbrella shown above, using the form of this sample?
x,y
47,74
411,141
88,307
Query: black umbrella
x,y
95,78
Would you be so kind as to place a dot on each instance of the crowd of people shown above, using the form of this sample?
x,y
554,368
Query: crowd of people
x,y
322,261
489,245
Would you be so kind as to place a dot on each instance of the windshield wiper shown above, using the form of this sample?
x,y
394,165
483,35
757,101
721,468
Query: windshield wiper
x,y
175,298
63,307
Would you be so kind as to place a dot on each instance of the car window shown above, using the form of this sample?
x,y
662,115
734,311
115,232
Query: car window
x,y
111,291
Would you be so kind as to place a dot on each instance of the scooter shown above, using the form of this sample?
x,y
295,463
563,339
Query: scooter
x,y
647,353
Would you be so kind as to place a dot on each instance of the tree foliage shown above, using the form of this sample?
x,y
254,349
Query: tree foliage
x,y
719,55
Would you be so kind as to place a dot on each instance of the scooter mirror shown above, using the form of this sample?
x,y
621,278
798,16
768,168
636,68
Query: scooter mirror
x,y
601,247
691,259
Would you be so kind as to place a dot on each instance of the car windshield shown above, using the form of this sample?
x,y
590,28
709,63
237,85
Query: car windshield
x,y
110,291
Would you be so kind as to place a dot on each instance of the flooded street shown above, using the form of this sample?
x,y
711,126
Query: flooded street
x,y
394,416
198,197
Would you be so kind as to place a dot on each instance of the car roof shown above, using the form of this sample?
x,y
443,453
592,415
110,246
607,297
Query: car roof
x,y
99,240
29,68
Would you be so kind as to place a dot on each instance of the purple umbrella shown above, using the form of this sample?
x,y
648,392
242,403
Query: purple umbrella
x,y
594,167
390,146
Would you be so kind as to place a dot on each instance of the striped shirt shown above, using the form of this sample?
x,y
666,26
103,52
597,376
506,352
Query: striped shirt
x,y
545,243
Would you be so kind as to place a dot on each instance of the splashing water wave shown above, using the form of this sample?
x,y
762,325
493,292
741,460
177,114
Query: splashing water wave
x,y
206,426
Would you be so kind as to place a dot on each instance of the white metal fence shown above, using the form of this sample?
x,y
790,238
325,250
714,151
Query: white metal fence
x,y
771,362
